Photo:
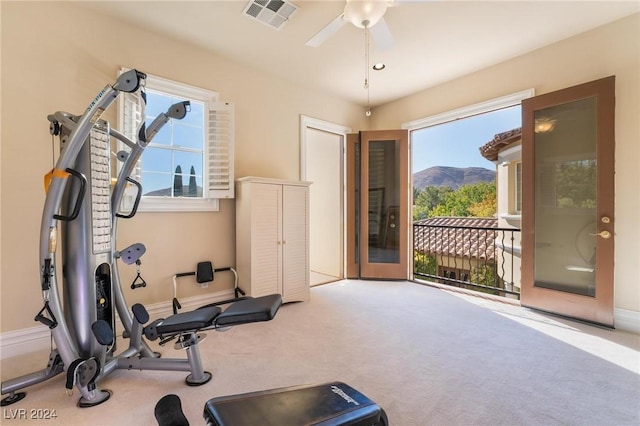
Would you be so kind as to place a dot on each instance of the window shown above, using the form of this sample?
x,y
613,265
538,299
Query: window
x,y
510,170
449,274
188,164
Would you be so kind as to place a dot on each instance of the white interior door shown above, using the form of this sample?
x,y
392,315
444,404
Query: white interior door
x,y
323,165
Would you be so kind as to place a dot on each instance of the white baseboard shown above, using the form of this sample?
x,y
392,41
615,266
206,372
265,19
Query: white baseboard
x,y
20,342
624,319
38,338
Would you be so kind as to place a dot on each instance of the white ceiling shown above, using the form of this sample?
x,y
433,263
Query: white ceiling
x,y
435,41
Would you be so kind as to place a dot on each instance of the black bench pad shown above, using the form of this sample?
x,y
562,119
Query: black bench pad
x,y
250,310
328,404
187,321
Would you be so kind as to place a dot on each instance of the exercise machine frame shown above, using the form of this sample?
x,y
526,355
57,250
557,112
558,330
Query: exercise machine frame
x,y
80,197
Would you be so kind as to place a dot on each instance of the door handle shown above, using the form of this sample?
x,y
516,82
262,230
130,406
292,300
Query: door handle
x,y
603,234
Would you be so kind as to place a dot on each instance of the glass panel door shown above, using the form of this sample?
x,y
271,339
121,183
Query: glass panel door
x,y
568,148
383,204
565,174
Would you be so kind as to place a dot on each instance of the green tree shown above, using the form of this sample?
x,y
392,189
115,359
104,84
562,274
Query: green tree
x,y
416,193
424,263
468,201
486,275
485,208
193,186
177,182
428,199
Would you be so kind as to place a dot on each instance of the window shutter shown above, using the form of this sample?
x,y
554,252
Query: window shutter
x,y
220,150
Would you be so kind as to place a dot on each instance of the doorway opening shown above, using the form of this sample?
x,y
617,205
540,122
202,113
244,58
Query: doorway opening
x,y
466,170
322,163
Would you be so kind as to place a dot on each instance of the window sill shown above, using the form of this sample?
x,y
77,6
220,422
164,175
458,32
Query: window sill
x,y
511,217
162,204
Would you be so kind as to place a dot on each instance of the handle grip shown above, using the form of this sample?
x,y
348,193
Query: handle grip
x,y
134,209
78,205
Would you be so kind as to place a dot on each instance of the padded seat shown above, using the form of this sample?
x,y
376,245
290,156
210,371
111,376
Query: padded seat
x,y
194,320
250,310
329,404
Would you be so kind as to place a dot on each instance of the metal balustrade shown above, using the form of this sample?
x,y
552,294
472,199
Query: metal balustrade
x,y
471,253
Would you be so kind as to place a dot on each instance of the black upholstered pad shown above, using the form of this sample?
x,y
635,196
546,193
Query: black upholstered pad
x,y
250,310
169,412
327,404
194,320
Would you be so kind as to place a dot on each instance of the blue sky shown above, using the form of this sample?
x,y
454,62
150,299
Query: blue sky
x,y
456,143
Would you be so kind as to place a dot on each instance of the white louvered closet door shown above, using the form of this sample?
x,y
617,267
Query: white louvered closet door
x,y
266,247
295,259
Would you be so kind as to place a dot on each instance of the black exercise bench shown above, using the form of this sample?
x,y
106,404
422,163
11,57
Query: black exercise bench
x,y
186,328
328,404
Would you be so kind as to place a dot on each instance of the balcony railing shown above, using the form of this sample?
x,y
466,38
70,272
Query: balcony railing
x,y
483,258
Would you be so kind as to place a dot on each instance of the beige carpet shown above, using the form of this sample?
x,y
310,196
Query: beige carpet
x,y
427,356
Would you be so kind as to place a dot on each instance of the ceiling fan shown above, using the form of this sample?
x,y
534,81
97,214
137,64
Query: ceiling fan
x,y
362,14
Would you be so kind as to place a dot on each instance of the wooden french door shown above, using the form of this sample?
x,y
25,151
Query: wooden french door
x,y
378,204
568,201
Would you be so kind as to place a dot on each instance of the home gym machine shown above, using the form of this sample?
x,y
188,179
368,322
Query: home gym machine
x,y
82,317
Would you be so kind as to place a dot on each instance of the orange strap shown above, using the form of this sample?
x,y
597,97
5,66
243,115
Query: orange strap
x,y
61,174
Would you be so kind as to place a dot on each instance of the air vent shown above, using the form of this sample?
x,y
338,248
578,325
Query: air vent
x,y
274,13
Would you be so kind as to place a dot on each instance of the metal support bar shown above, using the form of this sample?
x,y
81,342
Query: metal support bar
x,y
54,368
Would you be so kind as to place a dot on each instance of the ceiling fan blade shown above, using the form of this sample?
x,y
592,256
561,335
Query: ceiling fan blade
x,y
324,34
381,35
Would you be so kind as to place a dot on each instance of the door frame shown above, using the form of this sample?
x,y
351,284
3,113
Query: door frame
x,y
307,123
598,309
358,265
461,113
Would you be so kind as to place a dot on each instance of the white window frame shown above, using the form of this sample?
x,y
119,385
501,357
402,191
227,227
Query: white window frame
x,y
468,111
212,149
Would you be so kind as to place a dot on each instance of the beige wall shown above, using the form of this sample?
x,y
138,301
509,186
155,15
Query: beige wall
x,y
58,56
613,49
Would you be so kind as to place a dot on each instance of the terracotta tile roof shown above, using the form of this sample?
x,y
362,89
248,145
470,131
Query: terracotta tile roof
x,y
456,236
490,149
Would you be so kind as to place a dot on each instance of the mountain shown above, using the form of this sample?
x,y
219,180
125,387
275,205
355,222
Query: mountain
x,y
453,177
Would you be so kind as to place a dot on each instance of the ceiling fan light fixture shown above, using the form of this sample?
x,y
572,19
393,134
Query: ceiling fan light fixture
x,y
364,13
